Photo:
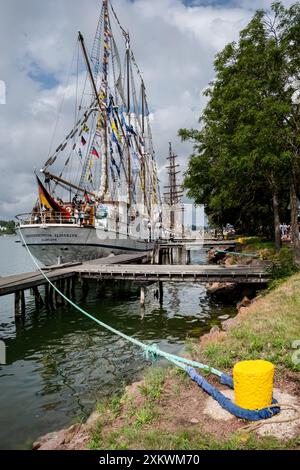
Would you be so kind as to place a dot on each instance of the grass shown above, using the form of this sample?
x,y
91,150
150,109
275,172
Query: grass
x,y
127,437
113,404
283,266
153,384
266,330
144,416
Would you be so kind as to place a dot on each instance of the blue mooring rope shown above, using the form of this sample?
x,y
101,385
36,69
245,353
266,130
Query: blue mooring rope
x,y
152,352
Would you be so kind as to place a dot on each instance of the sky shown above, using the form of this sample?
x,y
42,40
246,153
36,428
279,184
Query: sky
x,y
174,41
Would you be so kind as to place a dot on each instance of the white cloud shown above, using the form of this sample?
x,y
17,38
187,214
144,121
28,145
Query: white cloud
x,y
174,44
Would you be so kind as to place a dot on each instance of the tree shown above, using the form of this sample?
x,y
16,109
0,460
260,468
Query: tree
x,y
243,160
9,227
288,32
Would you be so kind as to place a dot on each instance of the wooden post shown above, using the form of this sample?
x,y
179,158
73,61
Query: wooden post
x,y
56,295
85,288
51,296
180,255
183,255
46,297
61,286
73,283
37,296
19,303
142,296
100,289
159,255
161,293
68,285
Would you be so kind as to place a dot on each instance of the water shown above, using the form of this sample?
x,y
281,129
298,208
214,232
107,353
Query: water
x,y
59,364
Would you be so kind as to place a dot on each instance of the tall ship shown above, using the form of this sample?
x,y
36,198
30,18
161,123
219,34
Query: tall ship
x,y
98,192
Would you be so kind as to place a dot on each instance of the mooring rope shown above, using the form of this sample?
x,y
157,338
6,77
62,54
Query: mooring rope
x,y
151,352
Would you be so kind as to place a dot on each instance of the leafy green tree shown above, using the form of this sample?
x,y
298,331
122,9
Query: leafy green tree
x,y
9,226
244,155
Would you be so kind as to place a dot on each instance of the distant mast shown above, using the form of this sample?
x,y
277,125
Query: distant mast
x,y
174,191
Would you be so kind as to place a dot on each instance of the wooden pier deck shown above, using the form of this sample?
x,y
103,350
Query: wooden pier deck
x,y
17,282
175,273
120,268
106,268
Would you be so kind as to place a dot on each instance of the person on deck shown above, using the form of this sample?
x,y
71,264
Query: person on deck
x,y
81,217
76,215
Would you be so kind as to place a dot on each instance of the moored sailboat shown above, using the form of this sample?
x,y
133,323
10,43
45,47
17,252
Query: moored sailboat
x,y
99,191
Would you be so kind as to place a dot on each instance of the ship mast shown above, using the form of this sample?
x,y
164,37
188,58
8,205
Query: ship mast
x,y
105,89
103,94
143,158
89,68
129,182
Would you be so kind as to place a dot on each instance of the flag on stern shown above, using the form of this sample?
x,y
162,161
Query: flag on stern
x,y
47,200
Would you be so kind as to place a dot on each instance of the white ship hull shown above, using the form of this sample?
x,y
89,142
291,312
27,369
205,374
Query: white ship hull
x,y
52,244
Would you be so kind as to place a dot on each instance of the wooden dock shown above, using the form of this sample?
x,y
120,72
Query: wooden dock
x,y
175,273
131,267
19,282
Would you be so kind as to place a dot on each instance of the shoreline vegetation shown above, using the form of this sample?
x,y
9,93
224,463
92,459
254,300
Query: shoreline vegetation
x,y
7,227
166,410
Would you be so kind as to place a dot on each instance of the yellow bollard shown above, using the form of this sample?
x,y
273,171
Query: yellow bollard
x,y
253,384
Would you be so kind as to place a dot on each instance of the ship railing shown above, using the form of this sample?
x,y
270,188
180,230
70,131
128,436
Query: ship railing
x,y
47,218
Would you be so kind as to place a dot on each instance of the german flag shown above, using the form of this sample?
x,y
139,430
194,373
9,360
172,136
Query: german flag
x,y
47,200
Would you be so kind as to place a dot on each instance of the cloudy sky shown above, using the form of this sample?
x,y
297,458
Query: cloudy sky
x,y
174,41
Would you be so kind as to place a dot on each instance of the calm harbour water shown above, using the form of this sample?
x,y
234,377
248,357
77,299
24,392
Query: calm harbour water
x,y
59,364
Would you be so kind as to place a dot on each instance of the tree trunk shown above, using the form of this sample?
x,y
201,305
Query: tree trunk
x,y
294,223
277,231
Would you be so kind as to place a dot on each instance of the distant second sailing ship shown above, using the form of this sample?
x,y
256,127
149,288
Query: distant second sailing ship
x,y
99,191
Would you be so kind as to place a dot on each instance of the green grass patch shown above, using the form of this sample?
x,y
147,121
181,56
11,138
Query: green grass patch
x,y
268,332
145,416
189,439
152,386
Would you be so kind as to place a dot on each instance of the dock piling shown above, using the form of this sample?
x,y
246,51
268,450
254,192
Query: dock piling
x,y
142,296
73,283
160,293
19,303
37,297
